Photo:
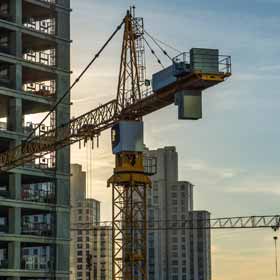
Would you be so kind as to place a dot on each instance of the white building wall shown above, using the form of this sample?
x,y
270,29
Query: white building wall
x,y
170,256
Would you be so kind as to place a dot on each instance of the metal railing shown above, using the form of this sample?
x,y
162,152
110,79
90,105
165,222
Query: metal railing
x,y
41,229
185,62
44,89
38,195
42,163
36,263
4,228
4,263
4,191
47,26
47,58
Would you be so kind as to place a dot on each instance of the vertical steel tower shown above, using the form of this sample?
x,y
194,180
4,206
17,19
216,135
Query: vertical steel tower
x,y
129,182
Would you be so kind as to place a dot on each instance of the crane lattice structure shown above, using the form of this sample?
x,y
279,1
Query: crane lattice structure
x,y
242,222
129,181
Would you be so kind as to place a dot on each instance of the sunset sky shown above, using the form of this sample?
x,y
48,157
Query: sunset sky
x,y
232,155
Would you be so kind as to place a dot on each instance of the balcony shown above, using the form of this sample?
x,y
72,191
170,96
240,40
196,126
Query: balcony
x,y
4,222
39,229
42,164
4,263
4,192
46,57
40,192
43,89
35,263
4,255
38,258
5,78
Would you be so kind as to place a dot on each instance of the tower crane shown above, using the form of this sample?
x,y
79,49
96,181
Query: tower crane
x,y
183,83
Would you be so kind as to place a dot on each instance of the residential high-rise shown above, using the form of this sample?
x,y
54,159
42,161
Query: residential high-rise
x,y
78,184
85,215
34,74
175,254
102,253
88,237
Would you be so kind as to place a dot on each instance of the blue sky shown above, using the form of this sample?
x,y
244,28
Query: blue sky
x,y
232,154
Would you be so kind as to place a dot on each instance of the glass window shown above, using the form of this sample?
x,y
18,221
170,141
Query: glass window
x,y
79,253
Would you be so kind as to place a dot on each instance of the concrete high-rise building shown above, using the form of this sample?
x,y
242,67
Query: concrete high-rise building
x,y
175,254
102,253
34,73
88,238
85,215
78,184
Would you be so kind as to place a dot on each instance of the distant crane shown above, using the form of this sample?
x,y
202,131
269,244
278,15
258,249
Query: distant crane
x,y
182,83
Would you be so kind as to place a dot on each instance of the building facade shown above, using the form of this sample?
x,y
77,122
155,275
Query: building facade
x,y
89,239
34,198
175,254
102,253
85,215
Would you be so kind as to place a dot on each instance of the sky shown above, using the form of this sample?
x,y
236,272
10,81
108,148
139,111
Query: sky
x,y
231,155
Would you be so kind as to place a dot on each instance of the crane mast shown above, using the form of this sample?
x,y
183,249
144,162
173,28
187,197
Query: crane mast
x,y
129,182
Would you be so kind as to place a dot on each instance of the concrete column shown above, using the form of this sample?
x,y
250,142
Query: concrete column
x,y
15,186
15,115
62,218
62,253
15,220
62,117
14,255
62,192
16,11
63,25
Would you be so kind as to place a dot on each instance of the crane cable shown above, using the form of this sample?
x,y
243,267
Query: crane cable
x,y
159,46
153,52
67,92
167,45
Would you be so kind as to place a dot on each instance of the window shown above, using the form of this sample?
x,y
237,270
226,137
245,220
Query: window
x,y
79,253
79,260
174,239
79,267
79,274
79,246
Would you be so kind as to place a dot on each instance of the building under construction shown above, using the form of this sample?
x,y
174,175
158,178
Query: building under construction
x,y
34,203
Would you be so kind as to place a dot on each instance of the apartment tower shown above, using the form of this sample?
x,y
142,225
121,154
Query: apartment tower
x,y
34,198
91,241
174,252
